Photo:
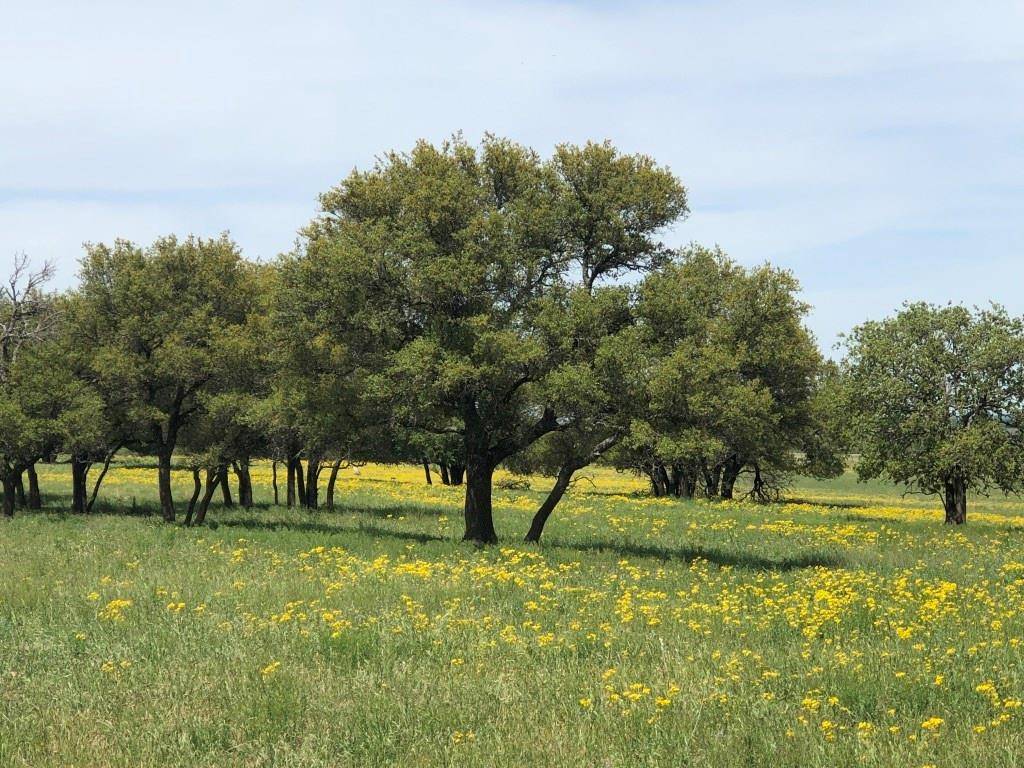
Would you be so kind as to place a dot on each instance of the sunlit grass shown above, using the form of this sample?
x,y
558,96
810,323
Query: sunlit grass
x,y
642,632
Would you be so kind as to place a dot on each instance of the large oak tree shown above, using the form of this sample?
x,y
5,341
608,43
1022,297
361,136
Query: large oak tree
x,y
457,257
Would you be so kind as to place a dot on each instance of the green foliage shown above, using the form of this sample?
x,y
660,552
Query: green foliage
x,y
454,259
937,395
43,407
732,373
161,323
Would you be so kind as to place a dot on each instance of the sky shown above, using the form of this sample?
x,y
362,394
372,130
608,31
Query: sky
x,y
875,149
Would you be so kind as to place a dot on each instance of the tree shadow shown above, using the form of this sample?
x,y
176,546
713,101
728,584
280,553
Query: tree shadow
x,y
827,504
324,528
720,557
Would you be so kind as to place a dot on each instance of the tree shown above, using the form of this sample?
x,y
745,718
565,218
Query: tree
x,y
937,397
596,390
42,406
324,409
27,313
455,255
157,320
41,403
614,206
731,380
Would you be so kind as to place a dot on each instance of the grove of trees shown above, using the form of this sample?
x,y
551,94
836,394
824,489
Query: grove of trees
x,y
469,307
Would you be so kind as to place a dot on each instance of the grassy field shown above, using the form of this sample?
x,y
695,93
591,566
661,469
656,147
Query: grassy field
x,y
848,628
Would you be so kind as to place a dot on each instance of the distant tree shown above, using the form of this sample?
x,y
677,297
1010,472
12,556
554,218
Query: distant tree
x,y
325,408
159,321
38,398
98,442
937,399
732,374
28,315
42,404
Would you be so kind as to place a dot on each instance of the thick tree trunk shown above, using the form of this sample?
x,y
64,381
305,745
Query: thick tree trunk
x,y
79,476
445,479
562,481
478,511
9,494
225,486
213,479
312,476
273,481
291,482
197,488
19,489
241,469
730,473
35,500
426,470
456,472
955,501
331,481
653,477
164,482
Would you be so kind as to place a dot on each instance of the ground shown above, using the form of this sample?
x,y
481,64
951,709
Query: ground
x,y
850,628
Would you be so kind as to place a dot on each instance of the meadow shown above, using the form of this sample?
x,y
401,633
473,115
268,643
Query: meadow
x,y
847,627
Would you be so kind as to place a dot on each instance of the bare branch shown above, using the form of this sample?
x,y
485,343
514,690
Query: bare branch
x,y
27,313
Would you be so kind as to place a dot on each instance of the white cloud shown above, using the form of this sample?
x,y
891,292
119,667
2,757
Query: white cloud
x,y
804,130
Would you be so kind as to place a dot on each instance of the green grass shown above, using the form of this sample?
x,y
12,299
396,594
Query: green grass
x,y
642,632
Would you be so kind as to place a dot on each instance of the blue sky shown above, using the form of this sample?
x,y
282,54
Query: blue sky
x,y
876,149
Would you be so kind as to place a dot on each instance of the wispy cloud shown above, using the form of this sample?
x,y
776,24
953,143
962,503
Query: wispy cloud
x,y
876,150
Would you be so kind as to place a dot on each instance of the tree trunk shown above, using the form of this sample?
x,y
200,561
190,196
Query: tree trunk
x,y
164,483
9,493
79,475
99,479
730,473
331,482
241,469
562,480
456,472
213,479
273,481
291,482
225,486
35,500
197,488
661,476
712,479
19,488
445,479
478,511
426,470
955,501
312,476
653,477
300,483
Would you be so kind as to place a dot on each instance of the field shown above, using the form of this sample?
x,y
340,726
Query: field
x,y
849,628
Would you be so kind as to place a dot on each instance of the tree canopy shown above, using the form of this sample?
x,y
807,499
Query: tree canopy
x,y
474,306
937,400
